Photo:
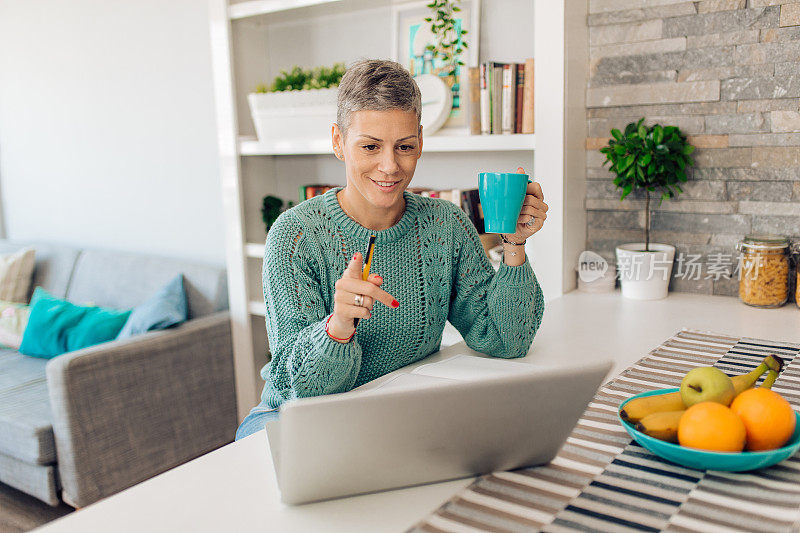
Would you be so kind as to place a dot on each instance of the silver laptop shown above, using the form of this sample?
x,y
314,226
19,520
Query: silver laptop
x,y
355,442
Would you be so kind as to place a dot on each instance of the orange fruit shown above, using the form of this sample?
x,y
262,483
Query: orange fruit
x,y
767,416
711,426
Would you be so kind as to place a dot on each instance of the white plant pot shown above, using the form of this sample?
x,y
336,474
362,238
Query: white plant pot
x,y
645,275
293,114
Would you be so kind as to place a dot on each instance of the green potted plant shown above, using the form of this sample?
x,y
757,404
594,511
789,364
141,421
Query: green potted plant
x,y
300,79
652,159
298,101
271,208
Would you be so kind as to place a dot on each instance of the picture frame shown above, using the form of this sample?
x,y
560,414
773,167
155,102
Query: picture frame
x,y
410,35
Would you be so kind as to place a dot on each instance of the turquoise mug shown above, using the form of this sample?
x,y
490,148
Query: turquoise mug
x,y
502,194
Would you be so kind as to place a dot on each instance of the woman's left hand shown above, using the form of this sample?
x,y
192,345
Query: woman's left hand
x,y
533,212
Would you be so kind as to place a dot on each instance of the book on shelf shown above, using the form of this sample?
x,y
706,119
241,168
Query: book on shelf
x,y
310,191
520,92
502,97
471,204
508,98
527,98
468,200
475,102
489,241
486,120
496,97
451,195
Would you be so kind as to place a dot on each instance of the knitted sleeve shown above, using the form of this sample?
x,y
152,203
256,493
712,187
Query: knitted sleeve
x,y
497,313
305,361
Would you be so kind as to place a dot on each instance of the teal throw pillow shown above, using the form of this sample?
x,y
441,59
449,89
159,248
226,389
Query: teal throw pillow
x,y
56,326
164,309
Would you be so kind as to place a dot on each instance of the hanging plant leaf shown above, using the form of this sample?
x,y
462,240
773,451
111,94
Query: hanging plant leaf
x,y
449,43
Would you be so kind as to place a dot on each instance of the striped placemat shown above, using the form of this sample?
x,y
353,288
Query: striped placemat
x,y
601,480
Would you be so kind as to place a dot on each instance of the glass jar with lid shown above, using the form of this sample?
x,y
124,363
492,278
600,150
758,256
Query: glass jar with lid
x,y
796,257
764,270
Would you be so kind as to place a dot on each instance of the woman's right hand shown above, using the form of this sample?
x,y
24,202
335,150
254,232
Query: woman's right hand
x,y
347,287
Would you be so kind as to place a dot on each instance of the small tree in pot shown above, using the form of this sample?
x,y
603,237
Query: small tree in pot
x,y
653,159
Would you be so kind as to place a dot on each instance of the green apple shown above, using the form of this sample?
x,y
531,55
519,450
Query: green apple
x,y
707,384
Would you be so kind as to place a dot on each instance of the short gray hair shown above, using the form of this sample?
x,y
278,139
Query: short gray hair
x,y
376,85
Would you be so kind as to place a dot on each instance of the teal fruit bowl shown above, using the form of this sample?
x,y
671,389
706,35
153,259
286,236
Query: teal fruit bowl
x,y
705,460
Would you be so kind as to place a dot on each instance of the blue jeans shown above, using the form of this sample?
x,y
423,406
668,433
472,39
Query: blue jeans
x,y
256,420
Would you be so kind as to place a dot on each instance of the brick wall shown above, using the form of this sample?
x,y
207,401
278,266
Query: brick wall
x,y
727,72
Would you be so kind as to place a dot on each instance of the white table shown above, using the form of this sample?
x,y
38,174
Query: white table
x,y
234,489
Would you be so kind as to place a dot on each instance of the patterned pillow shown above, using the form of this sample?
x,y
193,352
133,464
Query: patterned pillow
x,y
13,319
16,273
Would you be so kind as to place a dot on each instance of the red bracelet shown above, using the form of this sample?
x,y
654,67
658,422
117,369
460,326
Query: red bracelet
x,y
348,339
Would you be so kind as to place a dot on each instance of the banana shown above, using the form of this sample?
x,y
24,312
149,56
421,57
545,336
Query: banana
x,y
772,363
775,362
770,379
638,408
662,425
743,382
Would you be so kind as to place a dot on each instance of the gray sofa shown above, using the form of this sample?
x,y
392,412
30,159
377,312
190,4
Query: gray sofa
x,y
87,424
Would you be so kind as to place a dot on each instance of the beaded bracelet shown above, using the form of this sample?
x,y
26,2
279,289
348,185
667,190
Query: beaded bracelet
x,y
502,236
348,339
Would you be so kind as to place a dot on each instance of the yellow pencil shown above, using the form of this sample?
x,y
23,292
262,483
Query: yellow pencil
x,y
370,250
367,265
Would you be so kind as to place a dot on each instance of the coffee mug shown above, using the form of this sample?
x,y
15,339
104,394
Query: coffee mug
x,y
502,194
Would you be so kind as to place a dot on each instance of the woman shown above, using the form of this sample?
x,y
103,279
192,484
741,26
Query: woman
x,y
428,263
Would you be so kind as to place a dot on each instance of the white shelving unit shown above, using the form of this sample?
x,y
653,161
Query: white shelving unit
x,y
255,8
241,54
435,143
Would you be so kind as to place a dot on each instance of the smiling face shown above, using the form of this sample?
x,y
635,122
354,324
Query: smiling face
x,y
380,151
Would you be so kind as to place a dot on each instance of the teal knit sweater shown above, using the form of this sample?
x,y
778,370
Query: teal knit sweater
x,y
432,262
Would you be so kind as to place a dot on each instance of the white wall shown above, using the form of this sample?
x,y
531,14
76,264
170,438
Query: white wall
x,y
107,128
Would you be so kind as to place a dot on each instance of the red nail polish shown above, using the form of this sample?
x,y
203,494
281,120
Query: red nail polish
x,y
395,303
379,279
355,255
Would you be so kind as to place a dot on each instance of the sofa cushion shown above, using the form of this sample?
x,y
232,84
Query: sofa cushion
x,y
26,421
40,481
57,326
13,319
124,280
165,309
53,267
16,274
